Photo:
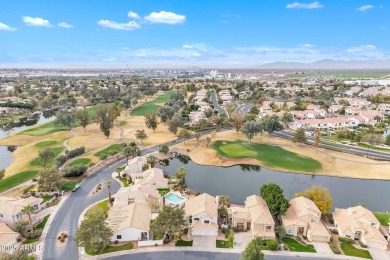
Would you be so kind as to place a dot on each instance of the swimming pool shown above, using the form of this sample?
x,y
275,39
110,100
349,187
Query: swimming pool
x,y
174,198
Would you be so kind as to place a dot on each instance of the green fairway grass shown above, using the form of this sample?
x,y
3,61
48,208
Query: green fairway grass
x,y
44,129
83,161
114,147
271,156
45,144
57,151
17,179
151,106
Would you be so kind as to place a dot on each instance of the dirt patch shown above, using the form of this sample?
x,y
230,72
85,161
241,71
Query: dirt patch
x,y
333,163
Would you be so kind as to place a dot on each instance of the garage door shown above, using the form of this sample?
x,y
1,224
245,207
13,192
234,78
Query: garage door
x,y
376,244
319,239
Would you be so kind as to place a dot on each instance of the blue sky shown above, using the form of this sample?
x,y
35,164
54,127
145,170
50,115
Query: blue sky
x,y
180,33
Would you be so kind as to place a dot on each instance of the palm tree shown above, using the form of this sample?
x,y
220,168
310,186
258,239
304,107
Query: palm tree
x,y
152,160
108,183
181,175
28,209
127,151
134,150
222,200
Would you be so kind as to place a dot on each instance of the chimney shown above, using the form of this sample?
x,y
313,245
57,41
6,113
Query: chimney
x,y
350,211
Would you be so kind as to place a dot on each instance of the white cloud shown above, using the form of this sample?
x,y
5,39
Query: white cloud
x,y
187,46
36,21
365,8
297,5
362,48
65,25
4,27
307,45
119,26
165,17
133,15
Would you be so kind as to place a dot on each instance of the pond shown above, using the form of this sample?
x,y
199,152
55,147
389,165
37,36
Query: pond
x,y
240,181
6,156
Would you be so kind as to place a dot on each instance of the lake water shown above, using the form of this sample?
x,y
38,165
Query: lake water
x,y
238,182
17,126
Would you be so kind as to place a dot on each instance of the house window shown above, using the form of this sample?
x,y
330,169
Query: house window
x,y
196,218
313,220
118,236
268,228
347,236
290,231
240,225
373,224
206,221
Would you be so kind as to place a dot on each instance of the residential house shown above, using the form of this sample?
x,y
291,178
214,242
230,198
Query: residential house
x,y
303,218
360,224
8,237
130,222
134,167
10,209
201,213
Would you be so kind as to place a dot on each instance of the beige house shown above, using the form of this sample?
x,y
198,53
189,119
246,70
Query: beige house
x,y
360,224
8,237
303,218
255,216
10,209
130,223
201,212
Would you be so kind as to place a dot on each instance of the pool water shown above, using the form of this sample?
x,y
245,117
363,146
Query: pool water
x,y
174,198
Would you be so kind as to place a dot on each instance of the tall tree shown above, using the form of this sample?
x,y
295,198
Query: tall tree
x,y
151,121
317,138
373,139
50,179
108,183
174,124
105,117
152,160
141,135
65,117
93,233
299,136
134,149
127,152
2,174
272,124
181,175
169,221
183,133
164,149
253,250
197,136
320,196
46,155
82,117
250,129
273,196
286,118
28,210
208,141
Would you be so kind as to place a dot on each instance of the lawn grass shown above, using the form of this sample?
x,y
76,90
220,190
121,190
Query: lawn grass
x,y
151,106
44,129
56,151
41,225
30,241
111,249
384,218
122,123
83,161
295,246
103,205
183,243
45,144
114,147
271,156
69,186
17,179
124,181
222,244
367,146
46,198
350,250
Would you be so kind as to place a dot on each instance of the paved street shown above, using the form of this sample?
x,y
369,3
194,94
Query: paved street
x,y
242,110
213,98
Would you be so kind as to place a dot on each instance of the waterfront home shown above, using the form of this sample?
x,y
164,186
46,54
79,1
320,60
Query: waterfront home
x,y
303,218
130,222
201,213
10,209
360,224
134,166
152,176
8,237
255,216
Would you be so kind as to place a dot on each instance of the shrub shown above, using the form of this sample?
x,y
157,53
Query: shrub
x,y
346,240
112,152
334,231
31,234
60,160
230,241
335,249
272,245
124,175
235,229
91,164
227,233
59,237
362,244
103,156
75,152
62,240
75,170
116,242
20,226
304,237
64,235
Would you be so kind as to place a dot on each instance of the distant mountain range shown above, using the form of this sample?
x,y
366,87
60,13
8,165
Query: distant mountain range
x,y
330,65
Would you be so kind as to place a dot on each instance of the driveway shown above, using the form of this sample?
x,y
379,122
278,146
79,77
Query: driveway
x,y
203,241
378,254
241,239
322,248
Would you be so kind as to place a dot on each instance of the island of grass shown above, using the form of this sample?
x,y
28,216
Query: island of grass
x,y
44,129
114,147
350,250
151,106
103,206
269,155
295,246
82,161
69,185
